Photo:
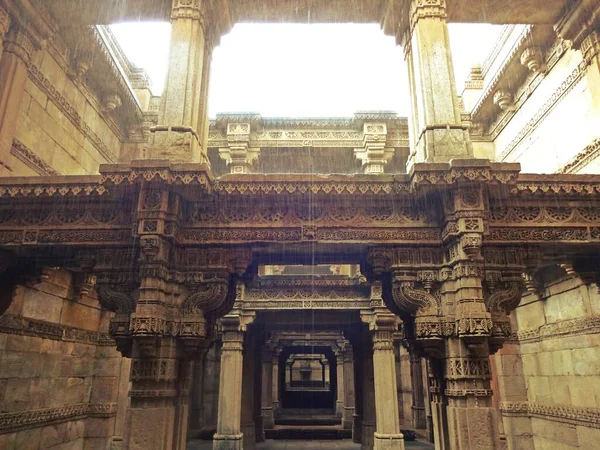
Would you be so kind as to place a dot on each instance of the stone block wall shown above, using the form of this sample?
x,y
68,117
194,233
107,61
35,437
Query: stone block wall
x,y
556,121
62,127
63,385
555,403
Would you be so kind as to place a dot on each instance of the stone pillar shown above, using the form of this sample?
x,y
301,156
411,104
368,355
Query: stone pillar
x,y
275,384
383,324
182,411
18,48
196,420
229,435
181,130
416,377
248,382
153,418
436,130
439,420
339,404
368,390
349,396
267,389
358,385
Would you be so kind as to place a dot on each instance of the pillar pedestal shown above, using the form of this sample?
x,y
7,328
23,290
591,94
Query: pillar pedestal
x,y
388,441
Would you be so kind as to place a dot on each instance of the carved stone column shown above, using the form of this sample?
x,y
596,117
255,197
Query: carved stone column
x,y
349,395
229,435
248,382
368,391
382,325
267,388
418,406
181,128
438,405
436,131
358,384
196,420
18,49
339,404
275,380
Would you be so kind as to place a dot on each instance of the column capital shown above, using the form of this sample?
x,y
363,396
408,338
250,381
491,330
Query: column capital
x,y
233,326
382,324
187,9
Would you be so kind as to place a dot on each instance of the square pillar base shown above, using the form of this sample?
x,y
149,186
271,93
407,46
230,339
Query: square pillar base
x,y
228,441
388,441
339,410
348,418
268,420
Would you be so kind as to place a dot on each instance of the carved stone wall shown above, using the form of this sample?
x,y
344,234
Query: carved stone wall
x,y
60,373
549,381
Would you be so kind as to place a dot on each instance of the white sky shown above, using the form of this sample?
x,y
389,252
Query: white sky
x,y
298,70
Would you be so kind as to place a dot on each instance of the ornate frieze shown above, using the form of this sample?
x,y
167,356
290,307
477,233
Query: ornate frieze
x,y
12,422
573,415
582,159
71,113
28,157
557,96
11,324
564,328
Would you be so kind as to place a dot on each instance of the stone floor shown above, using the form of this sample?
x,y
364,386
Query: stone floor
x,y
306,445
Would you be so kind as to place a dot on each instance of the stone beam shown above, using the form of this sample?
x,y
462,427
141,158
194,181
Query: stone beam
x,y
305,11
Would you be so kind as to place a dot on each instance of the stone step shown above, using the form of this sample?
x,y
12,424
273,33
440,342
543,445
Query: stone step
x,y
308,433
308,420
